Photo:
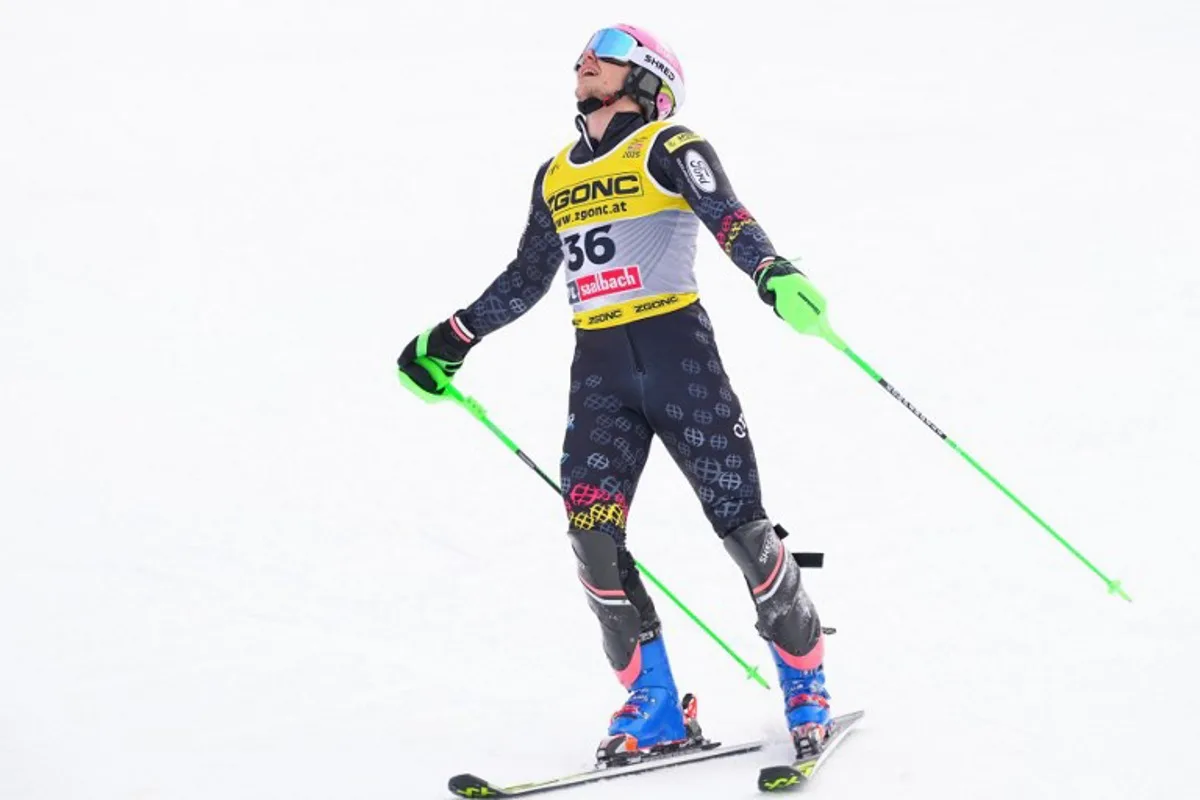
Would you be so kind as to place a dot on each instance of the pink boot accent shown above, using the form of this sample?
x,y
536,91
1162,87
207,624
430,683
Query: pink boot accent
x,y
630,674
810,660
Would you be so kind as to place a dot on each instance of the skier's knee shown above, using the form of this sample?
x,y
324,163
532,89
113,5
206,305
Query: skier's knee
x,y
744,511
593,508
598,557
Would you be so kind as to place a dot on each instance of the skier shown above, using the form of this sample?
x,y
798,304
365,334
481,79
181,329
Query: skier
x,y
623,205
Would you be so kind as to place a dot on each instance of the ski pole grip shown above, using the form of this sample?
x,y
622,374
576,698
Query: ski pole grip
x,y
422,393
473,406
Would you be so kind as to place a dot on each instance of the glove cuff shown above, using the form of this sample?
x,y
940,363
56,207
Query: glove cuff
x,y
450,340
460,331
768,268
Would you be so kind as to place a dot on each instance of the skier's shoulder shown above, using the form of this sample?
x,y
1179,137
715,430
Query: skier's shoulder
x,y
675,135
544,170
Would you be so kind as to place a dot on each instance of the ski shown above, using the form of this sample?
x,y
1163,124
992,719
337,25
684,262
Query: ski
x,y
467,785
799,772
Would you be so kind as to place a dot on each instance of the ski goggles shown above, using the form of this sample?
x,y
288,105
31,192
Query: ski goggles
x,y
610,44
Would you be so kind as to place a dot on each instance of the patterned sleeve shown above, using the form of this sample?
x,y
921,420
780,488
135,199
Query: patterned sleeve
x,y
684,162
527,277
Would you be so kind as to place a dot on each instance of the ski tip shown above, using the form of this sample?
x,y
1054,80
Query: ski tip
x,y
791,776
468,785
778,779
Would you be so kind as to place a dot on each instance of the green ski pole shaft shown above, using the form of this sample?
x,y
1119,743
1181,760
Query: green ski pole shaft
x,y
477,411
751,672
1114,586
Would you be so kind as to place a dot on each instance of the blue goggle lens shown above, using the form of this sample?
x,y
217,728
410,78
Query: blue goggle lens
x,y
609,43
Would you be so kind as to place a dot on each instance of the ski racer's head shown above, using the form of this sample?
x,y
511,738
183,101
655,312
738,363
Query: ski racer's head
x,y
624,63
601,80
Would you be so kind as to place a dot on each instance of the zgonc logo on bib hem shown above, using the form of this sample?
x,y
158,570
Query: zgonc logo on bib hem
x,y
610,281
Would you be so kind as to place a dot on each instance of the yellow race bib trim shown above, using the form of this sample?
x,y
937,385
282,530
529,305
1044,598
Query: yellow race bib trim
x,y
631,310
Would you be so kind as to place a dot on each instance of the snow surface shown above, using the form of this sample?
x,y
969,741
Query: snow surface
x,y
238,561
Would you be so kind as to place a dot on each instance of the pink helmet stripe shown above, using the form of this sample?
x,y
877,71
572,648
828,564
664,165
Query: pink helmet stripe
x,y
651,42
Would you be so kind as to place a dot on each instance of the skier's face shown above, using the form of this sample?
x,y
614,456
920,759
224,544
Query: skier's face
x,y
597,78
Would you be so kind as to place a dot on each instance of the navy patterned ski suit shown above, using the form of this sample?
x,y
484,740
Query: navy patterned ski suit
x,y
646,363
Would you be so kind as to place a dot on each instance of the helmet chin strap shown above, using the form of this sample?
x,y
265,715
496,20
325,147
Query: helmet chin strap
x,y
628,89
595,103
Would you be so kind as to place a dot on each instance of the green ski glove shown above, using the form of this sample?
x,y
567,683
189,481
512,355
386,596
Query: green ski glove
x,y
796,301
429,362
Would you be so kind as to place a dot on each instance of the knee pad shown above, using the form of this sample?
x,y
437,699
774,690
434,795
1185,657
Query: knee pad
x,y
786,615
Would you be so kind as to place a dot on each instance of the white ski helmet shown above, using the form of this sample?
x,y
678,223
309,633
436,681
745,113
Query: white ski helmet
x,y
656,80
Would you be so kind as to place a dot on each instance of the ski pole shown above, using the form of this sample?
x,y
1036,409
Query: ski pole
x,y
823,329
473,407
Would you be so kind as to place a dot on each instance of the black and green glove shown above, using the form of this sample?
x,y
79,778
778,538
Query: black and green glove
x,y
429,362
796,301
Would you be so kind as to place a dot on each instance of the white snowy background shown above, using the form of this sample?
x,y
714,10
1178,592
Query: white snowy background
x,y
237,560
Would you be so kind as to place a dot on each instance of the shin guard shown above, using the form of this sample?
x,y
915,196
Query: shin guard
x,y
617,597
786,615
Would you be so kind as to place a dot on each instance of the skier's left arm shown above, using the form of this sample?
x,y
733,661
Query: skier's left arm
x,y
682,161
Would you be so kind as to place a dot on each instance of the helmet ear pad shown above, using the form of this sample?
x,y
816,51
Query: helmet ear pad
x,y
643,86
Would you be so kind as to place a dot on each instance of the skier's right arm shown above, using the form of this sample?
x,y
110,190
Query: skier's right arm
x,y
521,285
527,277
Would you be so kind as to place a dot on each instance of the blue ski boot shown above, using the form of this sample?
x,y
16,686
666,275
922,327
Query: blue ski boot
x,y
807,703
652,719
